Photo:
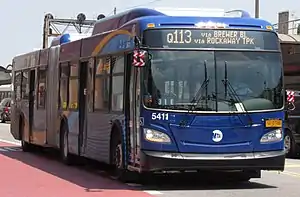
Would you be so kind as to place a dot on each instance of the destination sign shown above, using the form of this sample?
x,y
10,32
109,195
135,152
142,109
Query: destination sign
x,y
204,38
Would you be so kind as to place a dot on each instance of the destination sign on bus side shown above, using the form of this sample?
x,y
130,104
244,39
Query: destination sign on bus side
x,y
196,38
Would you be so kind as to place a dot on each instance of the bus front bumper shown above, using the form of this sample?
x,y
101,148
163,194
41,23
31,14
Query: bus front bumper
x,y
164,161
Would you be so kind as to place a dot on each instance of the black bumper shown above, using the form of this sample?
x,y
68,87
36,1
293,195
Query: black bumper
x,y
163,161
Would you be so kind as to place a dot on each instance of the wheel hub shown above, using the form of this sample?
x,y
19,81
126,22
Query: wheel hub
x,y
287,143
65,145
118,156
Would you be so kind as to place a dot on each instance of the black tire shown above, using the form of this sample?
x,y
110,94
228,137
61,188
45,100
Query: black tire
x,y
64,150
289,144
26,147
116,154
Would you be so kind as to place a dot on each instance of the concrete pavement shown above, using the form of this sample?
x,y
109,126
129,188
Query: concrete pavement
x,y
30,174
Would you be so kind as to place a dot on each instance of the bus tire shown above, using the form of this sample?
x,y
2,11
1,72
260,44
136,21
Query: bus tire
x,y
26,147
289,143
116,155
64,145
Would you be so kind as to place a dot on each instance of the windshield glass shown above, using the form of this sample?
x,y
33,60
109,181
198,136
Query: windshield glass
x,y
255,77
173,79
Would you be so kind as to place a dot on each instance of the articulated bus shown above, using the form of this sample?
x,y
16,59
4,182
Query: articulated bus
x,y
152,92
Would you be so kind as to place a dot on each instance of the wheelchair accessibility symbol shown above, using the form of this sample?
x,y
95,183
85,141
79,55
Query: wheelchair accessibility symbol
x,y
217,135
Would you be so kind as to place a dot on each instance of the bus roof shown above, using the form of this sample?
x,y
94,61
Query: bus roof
x,y
144,16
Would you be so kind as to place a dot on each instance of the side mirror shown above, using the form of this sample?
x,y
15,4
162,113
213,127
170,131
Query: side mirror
x,y
140,57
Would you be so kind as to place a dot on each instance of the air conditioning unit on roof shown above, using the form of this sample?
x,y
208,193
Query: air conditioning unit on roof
x,y
204,12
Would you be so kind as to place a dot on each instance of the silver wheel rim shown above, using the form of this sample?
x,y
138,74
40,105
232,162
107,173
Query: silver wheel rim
x,y
65,144
287,144
118,156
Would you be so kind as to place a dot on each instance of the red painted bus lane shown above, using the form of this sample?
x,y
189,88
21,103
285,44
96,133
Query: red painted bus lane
x,y
25,174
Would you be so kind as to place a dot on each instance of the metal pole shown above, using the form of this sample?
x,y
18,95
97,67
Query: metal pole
x,y
256,8
115,11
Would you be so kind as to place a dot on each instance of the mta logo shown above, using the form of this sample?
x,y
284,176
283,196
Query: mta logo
x,y
217,135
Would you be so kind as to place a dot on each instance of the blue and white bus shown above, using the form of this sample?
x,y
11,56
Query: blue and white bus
x,y
152,92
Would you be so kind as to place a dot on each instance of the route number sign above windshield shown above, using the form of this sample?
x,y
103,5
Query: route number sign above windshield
x,y
208,38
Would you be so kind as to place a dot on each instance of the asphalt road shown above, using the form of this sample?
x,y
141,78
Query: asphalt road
x,y
50,178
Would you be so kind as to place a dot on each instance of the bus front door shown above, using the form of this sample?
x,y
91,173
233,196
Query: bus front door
x,y
134,111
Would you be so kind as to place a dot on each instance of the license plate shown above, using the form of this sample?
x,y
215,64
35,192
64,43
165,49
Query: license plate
x,y
273,123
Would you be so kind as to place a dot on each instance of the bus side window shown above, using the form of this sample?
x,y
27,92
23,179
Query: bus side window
x,y
117,83
41,88
102,86
25,85
17,85
73,86
64,85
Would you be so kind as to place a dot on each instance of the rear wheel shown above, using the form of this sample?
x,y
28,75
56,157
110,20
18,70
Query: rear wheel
x,y
26,147
64,145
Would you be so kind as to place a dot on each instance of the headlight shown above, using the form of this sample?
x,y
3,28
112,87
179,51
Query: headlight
x,y
156,136
272,136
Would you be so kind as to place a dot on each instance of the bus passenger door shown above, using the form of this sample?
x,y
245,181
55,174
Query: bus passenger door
x,y
82,105
134,111
31,102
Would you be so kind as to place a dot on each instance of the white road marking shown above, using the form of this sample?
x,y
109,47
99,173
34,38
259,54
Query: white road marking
x,y
12,148
153,192
10,142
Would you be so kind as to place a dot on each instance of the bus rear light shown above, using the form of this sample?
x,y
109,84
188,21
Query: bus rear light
x,y
272,136
156,136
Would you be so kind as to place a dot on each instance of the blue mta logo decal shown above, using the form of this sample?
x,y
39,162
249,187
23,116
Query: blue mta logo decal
x,y
217,136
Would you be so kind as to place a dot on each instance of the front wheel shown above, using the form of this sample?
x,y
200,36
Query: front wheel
x,y
119,172
289,144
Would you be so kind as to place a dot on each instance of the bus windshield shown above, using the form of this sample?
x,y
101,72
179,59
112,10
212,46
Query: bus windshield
x,y
173,78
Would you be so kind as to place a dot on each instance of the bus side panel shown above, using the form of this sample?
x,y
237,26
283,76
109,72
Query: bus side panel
x,y
73,125
15,108
25,116
14,124
98,135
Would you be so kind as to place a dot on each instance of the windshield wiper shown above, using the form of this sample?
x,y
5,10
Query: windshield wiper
x,y
234,95
199,94
196,99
